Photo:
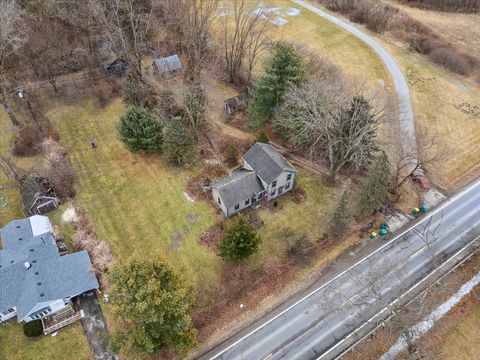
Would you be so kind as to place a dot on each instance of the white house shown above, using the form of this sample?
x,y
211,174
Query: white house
x,y
264,174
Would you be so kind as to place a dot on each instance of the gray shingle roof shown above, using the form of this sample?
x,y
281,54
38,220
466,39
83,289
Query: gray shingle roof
x,y
241,185
59,278
267,162
49,277
168,64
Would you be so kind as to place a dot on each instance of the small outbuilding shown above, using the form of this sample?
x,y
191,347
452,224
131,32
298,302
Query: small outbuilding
x,y
167,66
117,68
38,196
235,104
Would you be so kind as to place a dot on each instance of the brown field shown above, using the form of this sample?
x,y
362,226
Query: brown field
x,y
462,30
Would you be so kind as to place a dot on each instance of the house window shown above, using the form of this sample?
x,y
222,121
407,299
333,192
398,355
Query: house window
x,y
287,185
289,176
274,184
247,202
272,193
219,201
237,206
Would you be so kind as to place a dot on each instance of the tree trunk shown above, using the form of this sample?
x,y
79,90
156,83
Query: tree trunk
x,y
10,113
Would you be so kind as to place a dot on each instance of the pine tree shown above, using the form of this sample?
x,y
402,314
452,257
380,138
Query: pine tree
x,y
283,68
177,142
340,223
375,185
139,130
239,242
154,302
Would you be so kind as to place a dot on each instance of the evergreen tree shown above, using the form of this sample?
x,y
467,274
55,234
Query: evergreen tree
x,y
154,304
138,92
283,68
177,143
139,130
375,185
239,242
341,219
263,138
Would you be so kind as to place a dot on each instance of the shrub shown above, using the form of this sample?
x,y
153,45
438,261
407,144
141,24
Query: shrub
x,y
33,328
451,60
57,169
231,155
263,138
140,131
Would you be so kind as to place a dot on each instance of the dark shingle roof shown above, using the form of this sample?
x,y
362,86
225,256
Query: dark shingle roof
x,y
267,162
241,185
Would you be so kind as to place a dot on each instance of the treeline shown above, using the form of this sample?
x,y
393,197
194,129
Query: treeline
x,y
463,6
383,18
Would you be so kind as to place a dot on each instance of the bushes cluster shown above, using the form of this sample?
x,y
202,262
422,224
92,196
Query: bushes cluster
x,y
33,328
464,6
380,18
85,238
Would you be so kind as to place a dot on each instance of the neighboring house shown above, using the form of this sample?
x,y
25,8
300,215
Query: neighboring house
x,y
167,66
38,196
117,68
35,281
264,174
235,104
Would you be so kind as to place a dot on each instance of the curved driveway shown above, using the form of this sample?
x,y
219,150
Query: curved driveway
x,y
405,108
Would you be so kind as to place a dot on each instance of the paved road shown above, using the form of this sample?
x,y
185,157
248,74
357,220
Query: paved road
x,y
315,325
407,120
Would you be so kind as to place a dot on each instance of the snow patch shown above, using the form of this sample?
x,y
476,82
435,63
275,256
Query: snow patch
x,y
188,197
426,324
69,215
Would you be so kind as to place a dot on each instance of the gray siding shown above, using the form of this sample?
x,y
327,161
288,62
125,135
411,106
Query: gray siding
x,y
281,183
216,196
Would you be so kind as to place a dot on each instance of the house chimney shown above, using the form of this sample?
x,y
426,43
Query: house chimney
x,y
27,265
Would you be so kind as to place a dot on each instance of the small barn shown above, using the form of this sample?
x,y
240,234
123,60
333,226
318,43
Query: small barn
x,y
38,196
235,104
167,66
117,68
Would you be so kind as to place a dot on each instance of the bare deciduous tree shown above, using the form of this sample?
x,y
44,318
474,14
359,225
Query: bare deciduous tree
x,y
191,21
320,116
10,169
12,37
244,38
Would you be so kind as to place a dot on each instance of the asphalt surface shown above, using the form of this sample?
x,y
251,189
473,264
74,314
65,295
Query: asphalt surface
x,y
316,324
405,107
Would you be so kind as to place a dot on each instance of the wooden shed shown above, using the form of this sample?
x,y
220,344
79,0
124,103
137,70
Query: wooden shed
x,y
38,196
167,66
117,68
235,104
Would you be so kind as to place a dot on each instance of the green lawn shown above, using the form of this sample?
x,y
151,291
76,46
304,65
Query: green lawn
x,y
135,201
68,344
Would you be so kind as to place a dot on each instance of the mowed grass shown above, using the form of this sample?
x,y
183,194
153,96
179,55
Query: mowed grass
x,y
70,343
463,342
136,202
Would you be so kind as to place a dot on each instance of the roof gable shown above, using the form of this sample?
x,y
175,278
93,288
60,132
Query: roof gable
x,y
267,162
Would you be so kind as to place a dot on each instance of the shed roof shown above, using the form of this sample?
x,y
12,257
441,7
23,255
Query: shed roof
x,y
168,64
267,162
238,187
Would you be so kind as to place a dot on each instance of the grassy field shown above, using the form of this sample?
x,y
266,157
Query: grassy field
x,y
463,342
69,344
447,109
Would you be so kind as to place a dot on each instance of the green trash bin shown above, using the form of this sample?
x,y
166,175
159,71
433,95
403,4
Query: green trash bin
x,y
424,208
383,232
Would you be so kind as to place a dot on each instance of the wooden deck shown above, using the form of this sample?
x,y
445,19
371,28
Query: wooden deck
x,y
59,320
